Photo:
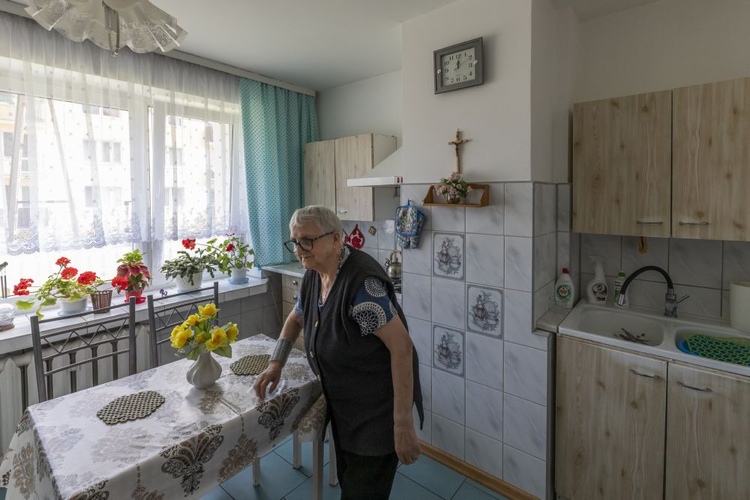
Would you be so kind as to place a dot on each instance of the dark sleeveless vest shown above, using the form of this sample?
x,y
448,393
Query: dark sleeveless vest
x,y
355,371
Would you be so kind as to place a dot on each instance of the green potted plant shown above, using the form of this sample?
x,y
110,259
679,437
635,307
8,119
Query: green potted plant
x,y
65,285
132,276
187,268
233,257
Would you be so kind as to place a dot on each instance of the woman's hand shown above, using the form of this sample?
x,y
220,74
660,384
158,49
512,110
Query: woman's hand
x,y
268,380
407,443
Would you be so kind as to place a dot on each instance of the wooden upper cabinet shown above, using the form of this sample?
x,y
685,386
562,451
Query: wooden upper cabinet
x,y
707,429
711,161
328,165
621,165
610,414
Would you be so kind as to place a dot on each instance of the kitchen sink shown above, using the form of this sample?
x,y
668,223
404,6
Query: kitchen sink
x,y
713,344
614,323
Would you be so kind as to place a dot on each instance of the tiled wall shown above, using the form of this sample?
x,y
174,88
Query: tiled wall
x,y
471,292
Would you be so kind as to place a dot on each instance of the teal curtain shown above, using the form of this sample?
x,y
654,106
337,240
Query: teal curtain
x,y
276,123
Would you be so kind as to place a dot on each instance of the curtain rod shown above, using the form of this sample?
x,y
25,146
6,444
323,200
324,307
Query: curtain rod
x,y
19,10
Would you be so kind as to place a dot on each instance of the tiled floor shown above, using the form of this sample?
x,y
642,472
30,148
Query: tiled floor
x,y
425,479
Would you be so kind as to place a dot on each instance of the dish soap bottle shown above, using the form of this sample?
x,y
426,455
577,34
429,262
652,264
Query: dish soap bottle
x,y
597,290
618,287
564,290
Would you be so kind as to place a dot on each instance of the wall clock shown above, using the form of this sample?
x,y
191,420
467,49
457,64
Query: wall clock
x,y
459,66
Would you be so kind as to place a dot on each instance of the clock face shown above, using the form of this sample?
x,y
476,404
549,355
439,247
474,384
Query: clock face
x,y
458,67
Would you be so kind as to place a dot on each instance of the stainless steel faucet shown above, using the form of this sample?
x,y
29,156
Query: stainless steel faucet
x,y
670,299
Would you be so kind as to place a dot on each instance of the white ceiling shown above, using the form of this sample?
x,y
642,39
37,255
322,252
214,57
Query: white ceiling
x,y
317,44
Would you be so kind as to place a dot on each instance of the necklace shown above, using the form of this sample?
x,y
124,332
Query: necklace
x,y
325,290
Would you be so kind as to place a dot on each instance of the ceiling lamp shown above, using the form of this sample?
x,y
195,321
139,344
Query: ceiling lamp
x,y
110,24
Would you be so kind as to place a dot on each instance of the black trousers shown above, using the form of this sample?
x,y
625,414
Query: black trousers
x,y
365,478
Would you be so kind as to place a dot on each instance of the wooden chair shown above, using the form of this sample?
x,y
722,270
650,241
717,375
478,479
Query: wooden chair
x,y
166,312
88,347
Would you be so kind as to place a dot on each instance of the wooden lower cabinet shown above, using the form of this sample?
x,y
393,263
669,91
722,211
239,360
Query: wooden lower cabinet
x,y
289,291
610,414
708,426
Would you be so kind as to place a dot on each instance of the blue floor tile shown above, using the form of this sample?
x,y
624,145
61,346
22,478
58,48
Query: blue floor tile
x,y
470,492
484,489
433,475
305,490
217,494
406,489
2,493
286,451
277,478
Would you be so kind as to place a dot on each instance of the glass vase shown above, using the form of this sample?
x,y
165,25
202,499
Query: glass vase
x,y
205,371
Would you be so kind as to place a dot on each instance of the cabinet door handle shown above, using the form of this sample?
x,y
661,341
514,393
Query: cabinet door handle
x,y
342,211
294,282
294,296
702,223
640,374
646,222
702,389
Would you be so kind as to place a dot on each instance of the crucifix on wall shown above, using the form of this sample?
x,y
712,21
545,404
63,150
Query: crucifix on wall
x,y
457,142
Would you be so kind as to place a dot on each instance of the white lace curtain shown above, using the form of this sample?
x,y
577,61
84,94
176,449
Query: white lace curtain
x,y
102,151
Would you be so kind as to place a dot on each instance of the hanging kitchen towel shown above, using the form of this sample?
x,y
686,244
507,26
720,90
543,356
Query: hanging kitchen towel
x,y
409,224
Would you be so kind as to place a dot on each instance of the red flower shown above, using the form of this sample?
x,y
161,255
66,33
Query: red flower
x,y
62,261
230,247
87,278
119,282
68,272
189,243
22,288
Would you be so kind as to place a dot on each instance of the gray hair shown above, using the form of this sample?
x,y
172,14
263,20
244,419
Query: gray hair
x,y
323,217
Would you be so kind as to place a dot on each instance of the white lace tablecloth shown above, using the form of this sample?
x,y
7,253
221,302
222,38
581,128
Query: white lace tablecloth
x,y
191,443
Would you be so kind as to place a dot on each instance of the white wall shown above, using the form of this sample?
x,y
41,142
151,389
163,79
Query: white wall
x,y
664,45
494,116
543,85
369,106
566,69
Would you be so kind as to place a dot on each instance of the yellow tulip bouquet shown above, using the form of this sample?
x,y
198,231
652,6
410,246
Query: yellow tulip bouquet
x,y
199,333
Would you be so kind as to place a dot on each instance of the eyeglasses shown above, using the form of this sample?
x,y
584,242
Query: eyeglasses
x,y
306,244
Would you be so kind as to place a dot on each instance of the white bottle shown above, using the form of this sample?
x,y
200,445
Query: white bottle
x,y
618,288
564,290
597,289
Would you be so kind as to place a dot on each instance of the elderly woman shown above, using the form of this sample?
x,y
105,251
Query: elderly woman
x,y
357,342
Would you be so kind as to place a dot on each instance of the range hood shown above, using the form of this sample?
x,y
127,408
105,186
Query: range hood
x,y
388,172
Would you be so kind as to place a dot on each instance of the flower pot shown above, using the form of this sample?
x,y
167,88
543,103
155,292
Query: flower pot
x,y
72,306
454,199
239,276
204,372
183,283
138,294
101,300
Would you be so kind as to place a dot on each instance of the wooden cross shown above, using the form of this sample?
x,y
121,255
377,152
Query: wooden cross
x,y
458,143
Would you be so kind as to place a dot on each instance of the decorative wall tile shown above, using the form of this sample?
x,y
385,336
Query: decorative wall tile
x,y
449,256
518,263
448,350
449,302
563,207
695,262
519,209
525,426
488,219
419,260
526,373
448,396
484,310
484,453
524,471
448,436
420,332
736,259
656,254
449,218
484,360
485,259
417,295
545,206
484,410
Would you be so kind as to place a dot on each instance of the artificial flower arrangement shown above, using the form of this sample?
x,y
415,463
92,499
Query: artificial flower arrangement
x,y
66,283
200,333
132,274
186,265
454,187
232,253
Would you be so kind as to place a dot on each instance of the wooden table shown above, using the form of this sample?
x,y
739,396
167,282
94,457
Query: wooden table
x,y
194,441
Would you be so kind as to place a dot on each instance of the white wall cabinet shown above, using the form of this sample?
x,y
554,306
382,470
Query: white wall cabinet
x,y
328,165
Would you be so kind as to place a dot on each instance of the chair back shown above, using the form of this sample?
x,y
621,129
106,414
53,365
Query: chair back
x,y
88,347
166,312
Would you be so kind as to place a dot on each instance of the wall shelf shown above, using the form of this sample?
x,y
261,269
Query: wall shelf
x,y
483,201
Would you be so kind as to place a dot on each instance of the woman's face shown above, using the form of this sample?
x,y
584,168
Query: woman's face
x,y
325,247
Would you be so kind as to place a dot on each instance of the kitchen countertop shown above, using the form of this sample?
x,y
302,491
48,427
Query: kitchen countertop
x,y
290,269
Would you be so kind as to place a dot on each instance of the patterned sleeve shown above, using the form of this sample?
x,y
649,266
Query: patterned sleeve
x,y
372,308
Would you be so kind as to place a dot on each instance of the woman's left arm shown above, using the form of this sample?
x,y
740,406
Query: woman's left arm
x,y
397,340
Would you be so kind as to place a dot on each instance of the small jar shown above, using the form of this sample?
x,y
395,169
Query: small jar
x,y
6,316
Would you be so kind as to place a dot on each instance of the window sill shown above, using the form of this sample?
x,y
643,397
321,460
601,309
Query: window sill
x,y
19,338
